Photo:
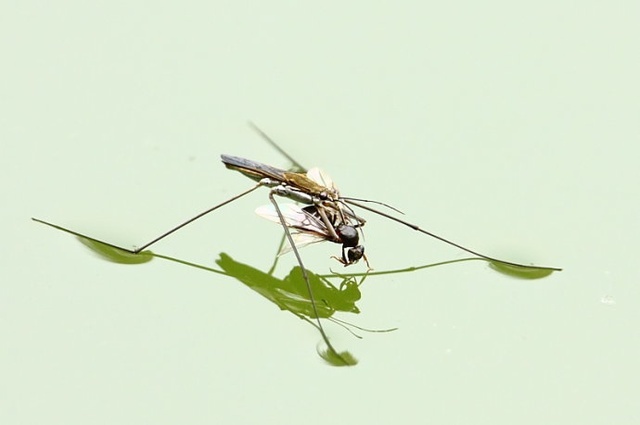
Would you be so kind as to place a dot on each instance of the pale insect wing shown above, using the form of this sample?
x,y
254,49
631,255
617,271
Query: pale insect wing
x,y
300,240
322,178
306,229
294,217
269,212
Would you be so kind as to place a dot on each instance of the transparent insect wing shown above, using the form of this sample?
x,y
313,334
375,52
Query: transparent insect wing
x,y
300,240
322,178
307,229
294,216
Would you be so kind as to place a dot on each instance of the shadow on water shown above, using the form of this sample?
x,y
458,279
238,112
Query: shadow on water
x,y
328,216
291,293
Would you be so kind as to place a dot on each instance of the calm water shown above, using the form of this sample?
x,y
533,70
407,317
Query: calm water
x,y
503,137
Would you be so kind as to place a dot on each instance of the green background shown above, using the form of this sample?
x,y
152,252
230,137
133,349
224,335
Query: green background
x,y
508,127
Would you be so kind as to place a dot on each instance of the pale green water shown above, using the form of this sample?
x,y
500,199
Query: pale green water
x,y
513,131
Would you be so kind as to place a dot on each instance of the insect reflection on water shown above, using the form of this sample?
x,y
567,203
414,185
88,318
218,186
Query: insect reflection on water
x,y
326,216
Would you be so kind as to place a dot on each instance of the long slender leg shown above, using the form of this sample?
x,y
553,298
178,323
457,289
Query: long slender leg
x,y
305,276
276,146
162,236
327,222
440,238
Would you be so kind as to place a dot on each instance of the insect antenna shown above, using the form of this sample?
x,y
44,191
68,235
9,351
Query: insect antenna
x,y
391,207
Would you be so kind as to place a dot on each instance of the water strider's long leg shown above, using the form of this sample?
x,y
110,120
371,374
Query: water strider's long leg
x,y
272,142
162,236
357,202
440,238
305,276
228,201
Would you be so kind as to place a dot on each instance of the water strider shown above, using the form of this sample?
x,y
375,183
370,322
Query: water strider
x,y
326,216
